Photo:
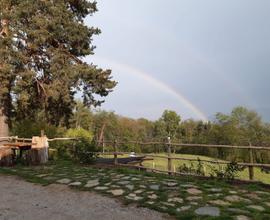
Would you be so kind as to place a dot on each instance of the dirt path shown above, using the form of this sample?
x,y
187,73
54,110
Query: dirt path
x,y
23,200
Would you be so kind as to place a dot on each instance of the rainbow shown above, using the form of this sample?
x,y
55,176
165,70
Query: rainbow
x,y
116,66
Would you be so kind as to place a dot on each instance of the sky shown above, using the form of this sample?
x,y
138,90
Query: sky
x,y
194,57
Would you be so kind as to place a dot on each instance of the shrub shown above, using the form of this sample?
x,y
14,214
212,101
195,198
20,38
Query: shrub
x,y
84,147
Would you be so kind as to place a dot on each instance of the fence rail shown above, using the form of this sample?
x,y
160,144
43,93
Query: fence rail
x,y
168,144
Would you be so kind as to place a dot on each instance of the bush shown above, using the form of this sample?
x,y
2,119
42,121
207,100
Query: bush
x,y
84,147
192,169
229,173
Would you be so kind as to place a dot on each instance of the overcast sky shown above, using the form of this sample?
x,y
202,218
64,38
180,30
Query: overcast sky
x,y
194,57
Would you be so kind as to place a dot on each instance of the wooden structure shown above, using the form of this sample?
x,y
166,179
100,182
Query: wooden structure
x,y
168,145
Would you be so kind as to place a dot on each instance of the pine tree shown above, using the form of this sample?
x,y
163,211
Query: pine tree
x,y
42,44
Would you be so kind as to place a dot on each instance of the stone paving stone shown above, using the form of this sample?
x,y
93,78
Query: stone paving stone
x,y
92,183
183,208
238,211
134,197
194,191
235,198
130,187
194,198
135,179
268,204
123,182
152,196
178,200
219,202
125,178
42,175
216,195
139,191
256,207
188,186
75,184
209,211
142,186
101,188
253,196
168,204
242,217
117,192
64,181
232,192
215,190
154,187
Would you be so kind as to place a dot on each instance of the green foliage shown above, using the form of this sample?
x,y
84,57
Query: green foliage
x,y
41,59
193,169
84,147
229,173
28,128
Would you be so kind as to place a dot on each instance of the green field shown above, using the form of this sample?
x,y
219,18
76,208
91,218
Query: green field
x,y
162,164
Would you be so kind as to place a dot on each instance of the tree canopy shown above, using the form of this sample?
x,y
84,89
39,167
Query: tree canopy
x,y
42,44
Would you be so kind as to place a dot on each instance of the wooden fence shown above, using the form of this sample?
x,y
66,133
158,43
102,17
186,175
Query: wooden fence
x,y
168,145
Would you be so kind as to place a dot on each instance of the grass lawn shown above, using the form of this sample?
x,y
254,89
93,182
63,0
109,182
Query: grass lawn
x,y
162,164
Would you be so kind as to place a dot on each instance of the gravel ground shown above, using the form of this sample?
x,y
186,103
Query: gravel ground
x,y
23,200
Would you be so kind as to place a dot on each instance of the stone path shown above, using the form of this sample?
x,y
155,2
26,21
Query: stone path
x,y
180,197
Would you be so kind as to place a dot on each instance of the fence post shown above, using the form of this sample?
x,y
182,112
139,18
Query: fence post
x,y
251,168
169,156
115,152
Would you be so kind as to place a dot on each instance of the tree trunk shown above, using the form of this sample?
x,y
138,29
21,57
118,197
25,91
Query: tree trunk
x,y
39,152
3,125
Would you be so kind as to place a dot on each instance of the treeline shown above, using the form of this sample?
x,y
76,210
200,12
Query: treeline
x,y
240,127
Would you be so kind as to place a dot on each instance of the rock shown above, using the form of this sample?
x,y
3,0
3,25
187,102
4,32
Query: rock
x,y
139,191
194,203
242,217
215,195
134,197
107,184
188,186
268,204
168,204
135,179
101,188
194,198
75,184
130,187
171,184
256,207
178,200
219,202
232,192
125,178
142,186
209,211
262,192
117,192
194,191
92,183
150,202
235,198
239,211
253,196
154,187
64,181
183,208
153,196
215,190
123,182
42,175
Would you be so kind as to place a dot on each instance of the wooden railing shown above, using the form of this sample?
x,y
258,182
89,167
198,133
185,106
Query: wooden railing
x,y
250,165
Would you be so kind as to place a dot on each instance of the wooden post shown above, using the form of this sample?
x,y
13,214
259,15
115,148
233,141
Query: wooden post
x,y
39,152
115,152
251,168
169,156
